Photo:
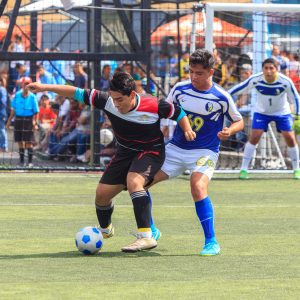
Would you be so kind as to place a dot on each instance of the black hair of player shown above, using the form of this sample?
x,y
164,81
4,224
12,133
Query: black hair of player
x,y
271,61
202,57
123,83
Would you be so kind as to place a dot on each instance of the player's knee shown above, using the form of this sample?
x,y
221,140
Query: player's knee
x,y
101,198
135,182
198,191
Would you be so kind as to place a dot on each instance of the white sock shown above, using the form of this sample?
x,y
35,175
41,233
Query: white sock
x,y
294,155
145,234
248,154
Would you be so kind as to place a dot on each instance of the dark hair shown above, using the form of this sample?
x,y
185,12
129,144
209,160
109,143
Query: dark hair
x,y
270,61
44,97
123,83
202,57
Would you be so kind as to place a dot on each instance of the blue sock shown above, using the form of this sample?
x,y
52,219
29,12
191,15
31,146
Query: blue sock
x,y
153,228
205,212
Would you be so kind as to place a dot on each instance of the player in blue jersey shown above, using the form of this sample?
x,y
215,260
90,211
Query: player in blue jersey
x,y
206,105
275,93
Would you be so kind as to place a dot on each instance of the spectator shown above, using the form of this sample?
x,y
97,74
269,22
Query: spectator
x,y
15,46
105,78
22,71
282,61
243,104
231,75
161,67
46,77
294,66
3,115
184,64
46,121
81,78
56,132
24,108
219,75
78,137
56,68
69,123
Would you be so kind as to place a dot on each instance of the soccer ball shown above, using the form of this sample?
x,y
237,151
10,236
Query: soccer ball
x,y
89,240
106,137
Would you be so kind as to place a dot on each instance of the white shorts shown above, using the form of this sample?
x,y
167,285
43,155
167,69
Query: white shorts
x,y
198,160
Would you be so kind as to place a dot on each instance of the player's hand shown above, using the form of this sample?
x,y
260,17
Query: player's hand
x,y
190,135
296,125
224,134
35,87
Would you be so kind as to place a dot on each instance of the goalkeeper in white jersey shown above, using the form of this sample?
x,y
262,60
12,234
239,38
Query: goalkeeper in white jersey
x,y
275,94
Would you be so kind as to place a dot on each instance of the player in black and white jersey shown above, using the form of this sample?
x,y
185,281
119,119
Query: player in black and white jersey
x,y
135,120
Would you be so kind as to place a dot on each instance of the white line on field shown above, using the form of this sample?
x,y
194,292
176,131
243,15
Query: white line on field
x,y
158,206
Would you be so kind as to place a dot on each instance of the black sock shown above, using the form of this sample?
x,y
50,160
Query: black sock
x,y
30,153
104,215
21,153
142,208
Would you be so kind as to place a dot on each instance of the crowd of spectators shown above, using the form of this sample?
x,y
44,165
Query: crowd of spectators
x,y
64,125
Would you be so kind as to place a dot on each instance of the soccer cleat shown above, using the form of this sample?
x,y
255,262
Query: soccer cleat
x,y
156,234
140,244
297,174
244,174
107,232
210,249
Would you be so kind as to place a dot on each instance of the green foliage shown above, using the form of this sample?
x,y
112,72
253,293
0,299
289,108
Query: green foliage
x,y
257,225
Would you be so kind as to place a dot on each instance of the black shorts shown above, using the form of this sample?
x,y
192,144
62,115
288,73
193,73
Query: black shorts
x,y
146,163
23,131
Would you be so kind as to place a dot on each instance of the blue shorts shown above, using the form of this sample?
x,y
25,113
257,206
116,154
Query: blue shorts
x,y
283,123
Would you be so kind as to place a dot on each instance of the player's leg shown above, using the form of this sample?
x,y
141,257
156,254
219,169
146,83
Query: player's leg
x,y
112,182
201,175
167,168
249,151
141,172
105,207
259,125
155,231
293,151
284,124
18,137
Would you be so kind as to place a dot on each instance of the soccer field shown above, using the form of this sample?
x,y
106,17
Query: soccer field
x,y
257,225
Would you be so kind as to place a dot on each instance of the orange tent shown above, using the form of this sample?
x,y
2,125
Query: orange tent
x,y
224,34
4,23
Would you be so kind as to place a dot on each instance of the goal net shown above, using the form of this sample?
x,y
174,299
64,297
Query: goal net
x,y
241,37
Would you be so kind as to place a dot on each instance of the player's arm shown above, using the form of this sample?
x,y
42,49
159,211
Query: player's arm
x,y
231,130
242,87
293,95
175,112
62,90
237,122
12,114
88,97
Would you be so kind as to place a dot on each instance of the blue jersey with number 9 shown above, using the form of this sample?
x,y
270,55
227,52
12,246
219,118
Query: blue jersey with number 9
x,y
206,111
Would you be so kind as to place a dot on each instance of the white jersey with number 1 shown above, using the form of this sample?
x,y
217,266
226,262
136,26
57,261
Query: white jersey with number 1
x,y
273,99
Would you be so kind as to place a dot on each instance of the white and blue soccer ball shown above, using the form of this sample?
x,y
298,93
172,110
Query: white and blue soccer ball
x,y
89,240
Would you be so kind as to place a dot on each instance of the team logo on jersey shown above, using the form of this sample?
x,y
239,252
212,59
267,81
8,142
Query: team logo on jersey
x,y
209,107
278,91
144,118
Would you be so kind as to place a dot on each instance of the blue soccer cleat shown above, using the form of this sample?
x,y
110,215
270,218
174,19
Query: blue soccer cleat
x,y
156,234
210,249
